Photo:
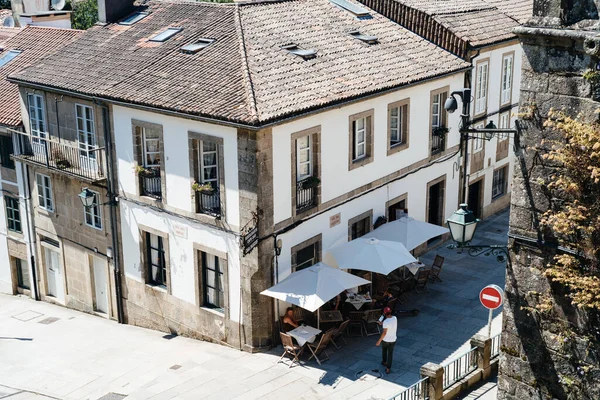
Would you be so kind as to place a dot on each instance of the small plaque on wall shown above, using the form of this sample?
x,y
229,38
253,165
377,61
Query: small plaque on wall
x,y
335,220
180,230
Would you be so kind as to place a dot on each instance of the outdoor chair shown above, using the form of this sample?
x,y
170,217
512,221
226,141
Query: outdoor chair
x,y
392,304
356,319
382,287
317,349
339,333
290,349
371,319
436,268
421,281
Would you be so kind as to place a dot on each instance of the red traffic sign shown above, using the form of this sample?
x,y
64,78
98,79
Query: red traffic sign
x,y
491,296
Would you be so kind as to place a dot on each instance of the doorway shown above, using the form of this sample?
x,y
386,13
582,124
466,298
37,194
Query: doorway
x,y
100,285
54,274
435,202
474,199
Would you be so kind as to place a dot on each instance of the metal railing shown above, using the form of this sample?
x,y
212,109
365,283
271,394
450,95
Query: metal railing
x,y
150,183
417,391
306,194
438,140
495,345
460,367
208,203
59,156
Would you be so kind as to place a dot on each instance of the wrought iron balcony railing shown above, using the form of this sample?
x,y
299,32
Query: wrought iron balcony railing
x,y
150,183
81,162
208,202
306,194
438,140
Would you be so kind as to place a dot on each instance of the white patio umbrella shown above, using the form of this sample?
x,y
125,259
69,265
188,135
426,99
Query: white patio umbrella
x,y
408,231
369,254
312,287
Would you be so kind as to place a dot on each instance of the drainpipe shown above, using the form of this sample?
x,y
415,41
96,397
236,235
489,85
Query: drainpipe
x,y
29,216
112,206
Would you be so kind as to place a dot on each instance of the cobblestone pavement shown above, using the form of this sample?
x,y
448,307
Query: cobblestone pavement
x,y
46,350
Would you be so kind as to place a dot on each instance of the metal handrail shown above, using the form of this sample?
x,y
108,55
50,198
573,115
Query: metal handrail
x,y
417,391
459,367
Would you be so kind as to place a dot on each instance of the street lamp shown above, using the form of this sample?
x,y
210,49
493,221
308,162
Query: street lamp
x,y
463,223
87,197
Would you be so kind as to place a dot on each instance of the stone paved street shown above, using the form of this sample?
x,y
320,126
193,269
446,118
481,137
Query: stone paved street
x,y
65,354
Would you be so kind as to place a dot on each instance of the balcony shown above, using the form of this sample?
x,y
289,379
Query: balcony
x,y
438,139
209,203
84,164
306,194
150,183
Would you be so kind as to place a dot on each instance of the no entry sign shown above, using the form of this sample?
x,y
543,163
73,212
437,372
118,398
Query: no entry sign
x,y
491,297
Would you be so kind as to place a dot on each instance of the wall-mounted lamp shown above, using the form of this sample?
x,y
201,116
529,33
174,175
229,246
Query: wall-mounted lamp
x,y
278,246
109,252
87,197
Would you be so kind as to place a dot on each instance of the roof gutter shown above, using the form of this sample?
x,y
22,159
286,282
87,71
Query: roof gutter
x,y
230,123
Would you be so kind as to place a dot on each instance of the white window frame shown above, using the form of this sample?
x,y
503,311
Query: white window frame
x,y
498,187
213,181
481,87
37,117
436,112
478,141
308,162
94,213
360,143
146,152
84,115
397,134
504,123
507,76
44,188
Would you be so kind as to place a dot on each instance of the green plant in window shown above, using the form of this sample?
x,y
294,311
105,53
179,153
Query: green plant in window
x,y
202,187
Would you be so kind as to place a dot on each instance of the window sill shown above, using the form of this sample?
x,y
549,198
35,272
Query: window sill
x,y
359,162
498,197
214,311
158,288
397,148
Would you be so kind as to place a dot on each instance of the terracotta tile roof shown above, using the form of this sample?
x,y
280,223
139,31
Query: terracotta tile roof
x,y
244,76
473,22
35,43
521,10
7,33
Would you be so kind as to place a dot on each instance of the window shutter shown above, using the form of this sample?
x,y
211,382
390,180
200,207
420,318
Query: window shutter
x,y
404,123
368,134
443,113
195,158
354,140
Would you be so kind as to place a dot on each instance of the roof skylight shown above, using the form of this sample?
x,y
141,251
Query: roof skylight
x,y
197,45
8,57
358,11
133,18
166,34
306,54
365,38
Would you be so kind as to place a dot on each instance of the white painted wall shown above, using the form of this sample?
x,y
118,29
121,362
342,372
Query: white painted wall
x,y
181,250
335,177
176,163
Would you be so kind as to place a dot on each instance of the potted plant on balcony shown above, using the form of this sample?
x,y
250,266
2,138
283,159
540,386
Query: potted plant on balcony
x,y
143,171
440,130
60,159
310,182
204,188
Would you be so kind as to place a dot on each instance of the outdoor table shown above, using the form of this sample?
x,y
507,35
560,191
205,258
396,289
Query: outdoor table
x,y
331,316
304,334
413,268
358,300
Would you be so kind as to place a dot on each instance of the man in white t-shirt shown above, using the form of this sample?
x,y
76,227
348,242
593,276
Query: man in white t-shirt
x,y
388,339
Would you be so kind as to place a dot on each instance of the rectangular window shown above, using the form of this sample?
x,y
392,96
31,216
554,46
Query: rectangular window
x,y
13,215
93,214
9,56
37,117
359,128
360,228
166,34
151,146
504,124
22,274
209,164
303,158
306,257
213,281
156,265
6,149
507,72
436,111
44,188
481,87
398,124
397,210
86,132
478,140
499,182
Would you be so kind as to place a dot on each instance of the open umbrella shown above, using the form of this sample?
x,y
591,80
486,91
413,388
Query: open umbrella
x,y
369,254
408,231
312,287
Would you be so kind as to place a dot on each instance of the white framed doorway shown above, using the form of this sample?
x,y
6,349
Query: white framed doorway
x,y
54,275
100,285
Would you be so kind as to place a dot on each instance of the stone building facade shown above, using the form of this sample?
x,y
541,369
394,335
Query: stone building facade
x,y
540,359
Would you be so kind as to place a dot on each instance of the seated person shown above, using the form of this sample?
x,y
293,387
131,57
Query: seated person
x,y
289,323
384,300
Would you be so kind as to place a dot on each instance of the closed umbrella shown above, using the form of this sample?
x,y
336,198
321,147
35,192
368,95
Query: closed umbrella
x,y
312,287
369,254
408,231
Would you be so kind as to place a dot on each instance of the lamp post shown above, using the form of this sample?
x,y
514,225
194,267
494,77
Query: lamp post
x,y
463,223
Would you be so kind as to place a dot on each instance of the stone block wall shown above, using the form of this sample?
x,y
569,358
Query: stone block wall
x,y
540,359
